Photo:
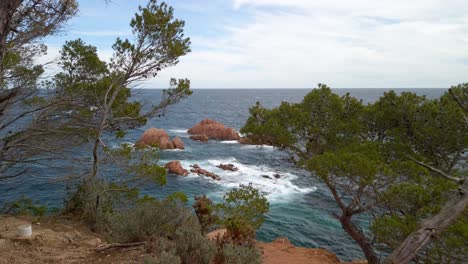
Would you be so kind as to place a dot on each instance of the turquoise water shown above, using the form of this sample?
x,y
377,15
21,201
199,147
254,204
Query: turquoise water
x,y
301,208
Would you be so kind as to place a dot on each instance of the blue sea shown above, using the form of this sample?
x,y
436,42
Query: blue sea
x,y
300,207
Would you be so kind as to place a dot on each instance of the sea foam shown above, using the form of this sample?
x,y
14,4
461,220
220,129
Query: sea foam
x,y
276,190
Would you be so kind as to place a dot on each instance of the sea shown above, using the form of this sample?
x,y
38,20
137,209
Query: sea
x,y
301,208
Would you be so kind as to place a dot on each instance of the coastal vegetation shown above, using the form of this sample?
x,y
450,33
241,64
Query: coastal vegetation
x,y
87,104
400,162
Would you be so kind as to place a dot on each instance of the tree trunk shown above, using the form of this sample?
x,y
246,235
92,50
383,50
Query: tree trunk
x,y
436,224
360,238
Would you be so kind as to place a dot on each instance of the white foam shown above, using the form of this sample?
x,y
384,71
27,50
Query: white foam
x,y
276,190
229,142
264,147
178,131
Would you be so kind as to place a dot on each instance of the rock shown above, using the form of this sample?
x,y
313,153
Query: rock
x,y
276,175
178,144
245,141
215,130
196,169
92,242
229,167
154,137
176,168
202,138
266,176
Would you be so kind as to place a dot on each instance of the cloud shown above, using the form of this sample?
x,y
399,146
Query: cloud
x,y
363,43
299,43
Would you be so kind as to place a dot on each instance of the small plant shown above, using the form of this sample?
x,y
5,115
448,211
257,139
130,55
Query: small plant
x,y
164,258
242,212
235,254
192,246
25,206
204,209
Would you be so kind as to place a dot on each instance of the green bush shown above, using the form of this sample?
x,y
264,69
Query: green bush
x,y
146,219
164,258
235,254
192,246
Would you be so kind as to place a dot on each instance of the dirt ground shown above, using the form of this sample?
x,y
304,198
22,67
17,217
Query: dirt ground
x,y
67,241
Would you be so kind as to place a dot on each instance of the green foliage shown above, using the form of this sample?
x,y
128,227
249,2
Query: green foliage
x,y
205,211
25,206
245,204
235,254
177,196
364,154
192,246
143,220
164,258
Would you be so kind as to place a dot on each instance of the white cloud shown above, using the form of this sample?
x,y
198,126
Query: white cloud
x,y
299,43
362,43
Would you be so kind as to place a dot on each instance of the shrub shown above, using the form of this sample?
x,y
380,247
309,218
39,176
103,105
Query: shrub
x,y
146,219
204,209
164,258
242,212
192,246
235,254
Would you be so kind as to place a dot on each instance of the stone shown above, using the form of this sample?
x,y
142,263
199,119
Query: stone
x,y
229,167
215,130
202,138
154,137
178,144
266,176
176,168
276,175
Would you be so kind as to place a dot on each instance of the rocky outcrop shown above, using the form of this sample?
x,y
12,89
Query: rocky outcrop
x,y
202,138
245,141
214,130
154,137
229,167
196,169
178,144
176,168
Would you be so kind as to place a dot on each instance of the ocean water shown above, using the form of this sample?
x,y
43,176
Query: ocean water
x,y
300,207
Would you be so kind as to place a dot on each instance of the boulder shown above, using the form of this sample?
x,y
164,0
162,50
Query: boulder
x,y
176,168
276,175
215,130
202,138
196,169
154,137
229,167
245,141
178,144
266,176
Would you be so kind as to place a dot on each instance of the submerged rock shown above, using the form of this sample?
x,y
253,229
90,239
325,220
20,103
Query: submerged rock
x,y
176,168
229,167
215,130
154,137
196,169
266,176
202,138
276,175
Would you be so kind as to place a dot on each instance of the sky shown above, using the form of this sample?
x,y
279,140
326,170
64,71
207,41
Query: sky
x,y
297,43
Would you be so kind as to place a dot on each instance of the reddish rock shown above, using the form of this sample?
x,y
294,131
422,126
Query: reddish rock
x,y
215,130
244,141
176,168
229,167
154,137
178,144
202,138
196,169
